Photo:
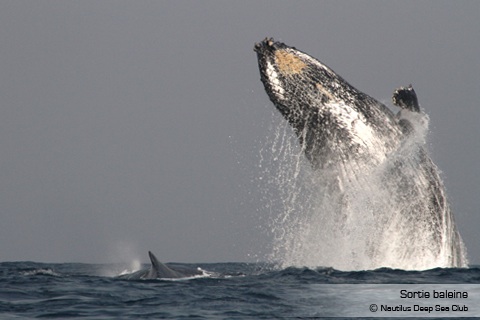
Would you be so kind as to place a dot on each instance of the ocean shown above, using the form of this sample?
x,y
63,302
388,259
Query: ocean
x,y
31,290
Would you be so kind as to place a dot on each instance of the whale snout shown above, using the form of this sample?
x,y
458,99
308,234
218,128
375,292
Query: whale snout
x,y
327,113
296,83
265,44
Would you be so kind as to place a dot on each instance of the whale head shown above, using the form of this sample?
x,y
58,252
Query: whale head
x,y
332,119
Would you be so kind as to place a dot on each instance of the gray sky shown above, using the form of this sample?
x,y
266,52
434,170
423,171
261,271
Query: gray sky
x,y
128,126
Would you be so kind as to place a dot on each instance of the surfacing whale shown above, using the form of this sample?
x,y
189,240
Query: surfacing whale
x,y
349,137
160,270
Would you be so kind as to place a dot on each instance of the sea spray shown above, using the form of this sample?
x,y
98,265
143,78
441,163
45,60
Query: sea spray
x,y
357,217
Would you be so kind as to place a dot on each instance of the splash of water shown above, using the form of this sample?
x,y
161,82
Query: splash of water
x,y
359,216
125,254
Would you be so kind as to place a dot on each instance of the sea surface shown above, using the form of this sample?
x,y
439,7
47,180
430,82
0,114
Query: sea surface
x,y
30,290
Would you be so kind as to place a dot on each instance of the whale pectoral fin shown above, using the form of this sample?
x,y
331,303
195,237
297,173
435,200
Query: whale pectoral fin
x,y
406,98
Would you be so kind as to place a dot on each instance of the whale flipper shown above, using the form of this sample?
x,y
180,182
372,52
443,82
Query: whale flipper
x,y
406,98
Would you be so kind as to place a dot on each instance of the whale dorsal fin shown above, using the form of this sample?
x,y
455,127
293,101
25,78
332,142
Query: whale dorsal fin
x,y
161,270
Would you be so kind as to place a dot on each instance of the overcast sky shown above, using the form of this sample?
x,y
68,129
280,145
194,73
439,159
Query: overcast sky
x,y
128,126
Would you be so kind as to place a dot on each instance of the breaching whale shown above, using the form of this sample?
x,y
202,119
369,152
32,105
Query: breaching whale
x,y
160,270
347,136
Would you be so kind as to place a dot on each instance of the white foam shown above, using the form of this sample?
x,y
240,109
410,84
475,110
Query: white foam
x,y
134,266
328,218
48,272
